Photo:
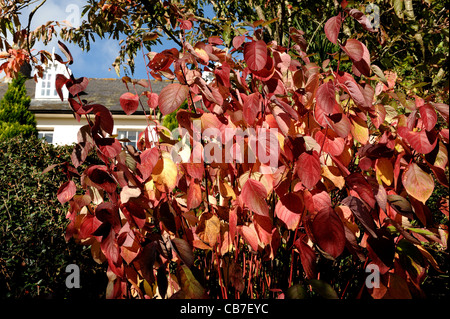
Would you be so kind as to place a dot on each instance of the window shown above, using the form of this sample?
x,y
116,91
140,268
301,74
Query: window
x,y
132,136
45,88
46,135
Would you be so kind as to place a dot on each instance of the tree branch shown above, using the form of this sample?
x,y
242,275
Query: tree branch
x,y
151,11
30,17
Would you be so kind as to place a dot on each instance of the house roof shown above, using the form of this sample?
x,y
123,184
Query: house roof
x,y
99,91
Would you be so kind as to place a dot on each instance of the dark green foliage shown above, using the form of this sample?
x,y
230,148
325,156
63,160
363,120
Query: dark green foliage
x,y
170,120
15,118
33,250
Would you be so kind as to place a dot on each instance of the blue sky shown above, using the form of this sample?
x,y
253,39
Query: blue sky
x,y
97,63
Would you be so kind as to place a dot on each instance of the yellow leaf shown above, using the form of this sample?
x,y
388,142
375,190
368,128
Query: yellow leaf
x,y
384,171
359,130
417,183
208,228
334,175
164,174
226,190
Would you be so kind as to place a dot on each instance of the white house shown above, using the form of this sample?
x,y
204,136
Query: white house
x,y
55,119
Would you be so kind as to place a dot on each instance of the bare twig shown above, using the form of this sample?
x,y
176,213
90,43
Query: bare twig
x,y
30,17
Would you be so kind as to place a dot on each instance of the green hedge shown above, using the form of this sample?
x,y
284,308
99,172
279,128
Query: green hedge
x,y
33,251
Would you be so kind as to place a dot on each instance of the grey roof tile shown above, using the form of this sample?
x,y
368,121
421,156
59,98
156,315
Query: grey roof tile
x,y
99,91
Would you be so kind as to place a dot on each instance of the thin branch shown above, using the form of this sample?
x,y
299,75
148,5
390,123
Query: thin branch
x,y
208,21
151,10
30,17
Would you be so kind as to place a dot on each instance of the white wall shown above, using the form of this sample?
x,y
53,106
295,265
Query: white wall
x,y
65,127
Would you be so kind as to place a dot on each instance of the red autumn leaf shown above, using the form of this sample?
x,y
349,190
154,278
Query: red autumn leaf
x,y
309,169
361,212
148,160
162,61
378,115
255,54
443,110
250,236
340,124
110,248
129,102
263,226
282,119
321,116
363,65
153,100
289,209
172,96
195,170
420,140
185,24
417,183
66,52
183,250
320,200
428,116
103,114
194,196
325,97
76,86
66,192
354,49
238,40
328,232
330,143
359,184
362,19
348,83
110,147
251,107
307,256
60,81
99,175
88,226
215,40
254,197
332,27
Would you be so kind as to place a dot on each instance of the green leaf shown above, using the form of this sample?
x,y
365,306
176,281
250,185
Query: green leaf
x,y
323,289
398,8
190,287
421,231
376,69
296,292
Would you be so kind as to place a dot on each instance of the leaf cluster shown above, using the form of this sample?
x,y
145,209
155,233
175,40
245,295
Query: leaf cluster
x,y
344,176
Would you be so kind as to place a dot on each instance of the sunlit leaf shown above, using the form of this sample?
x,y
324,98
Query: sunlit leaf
x,y
328,232
384,171
171,97
418,183
164,174
66,191
254,196
332,27
255,54
129,102
309,169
